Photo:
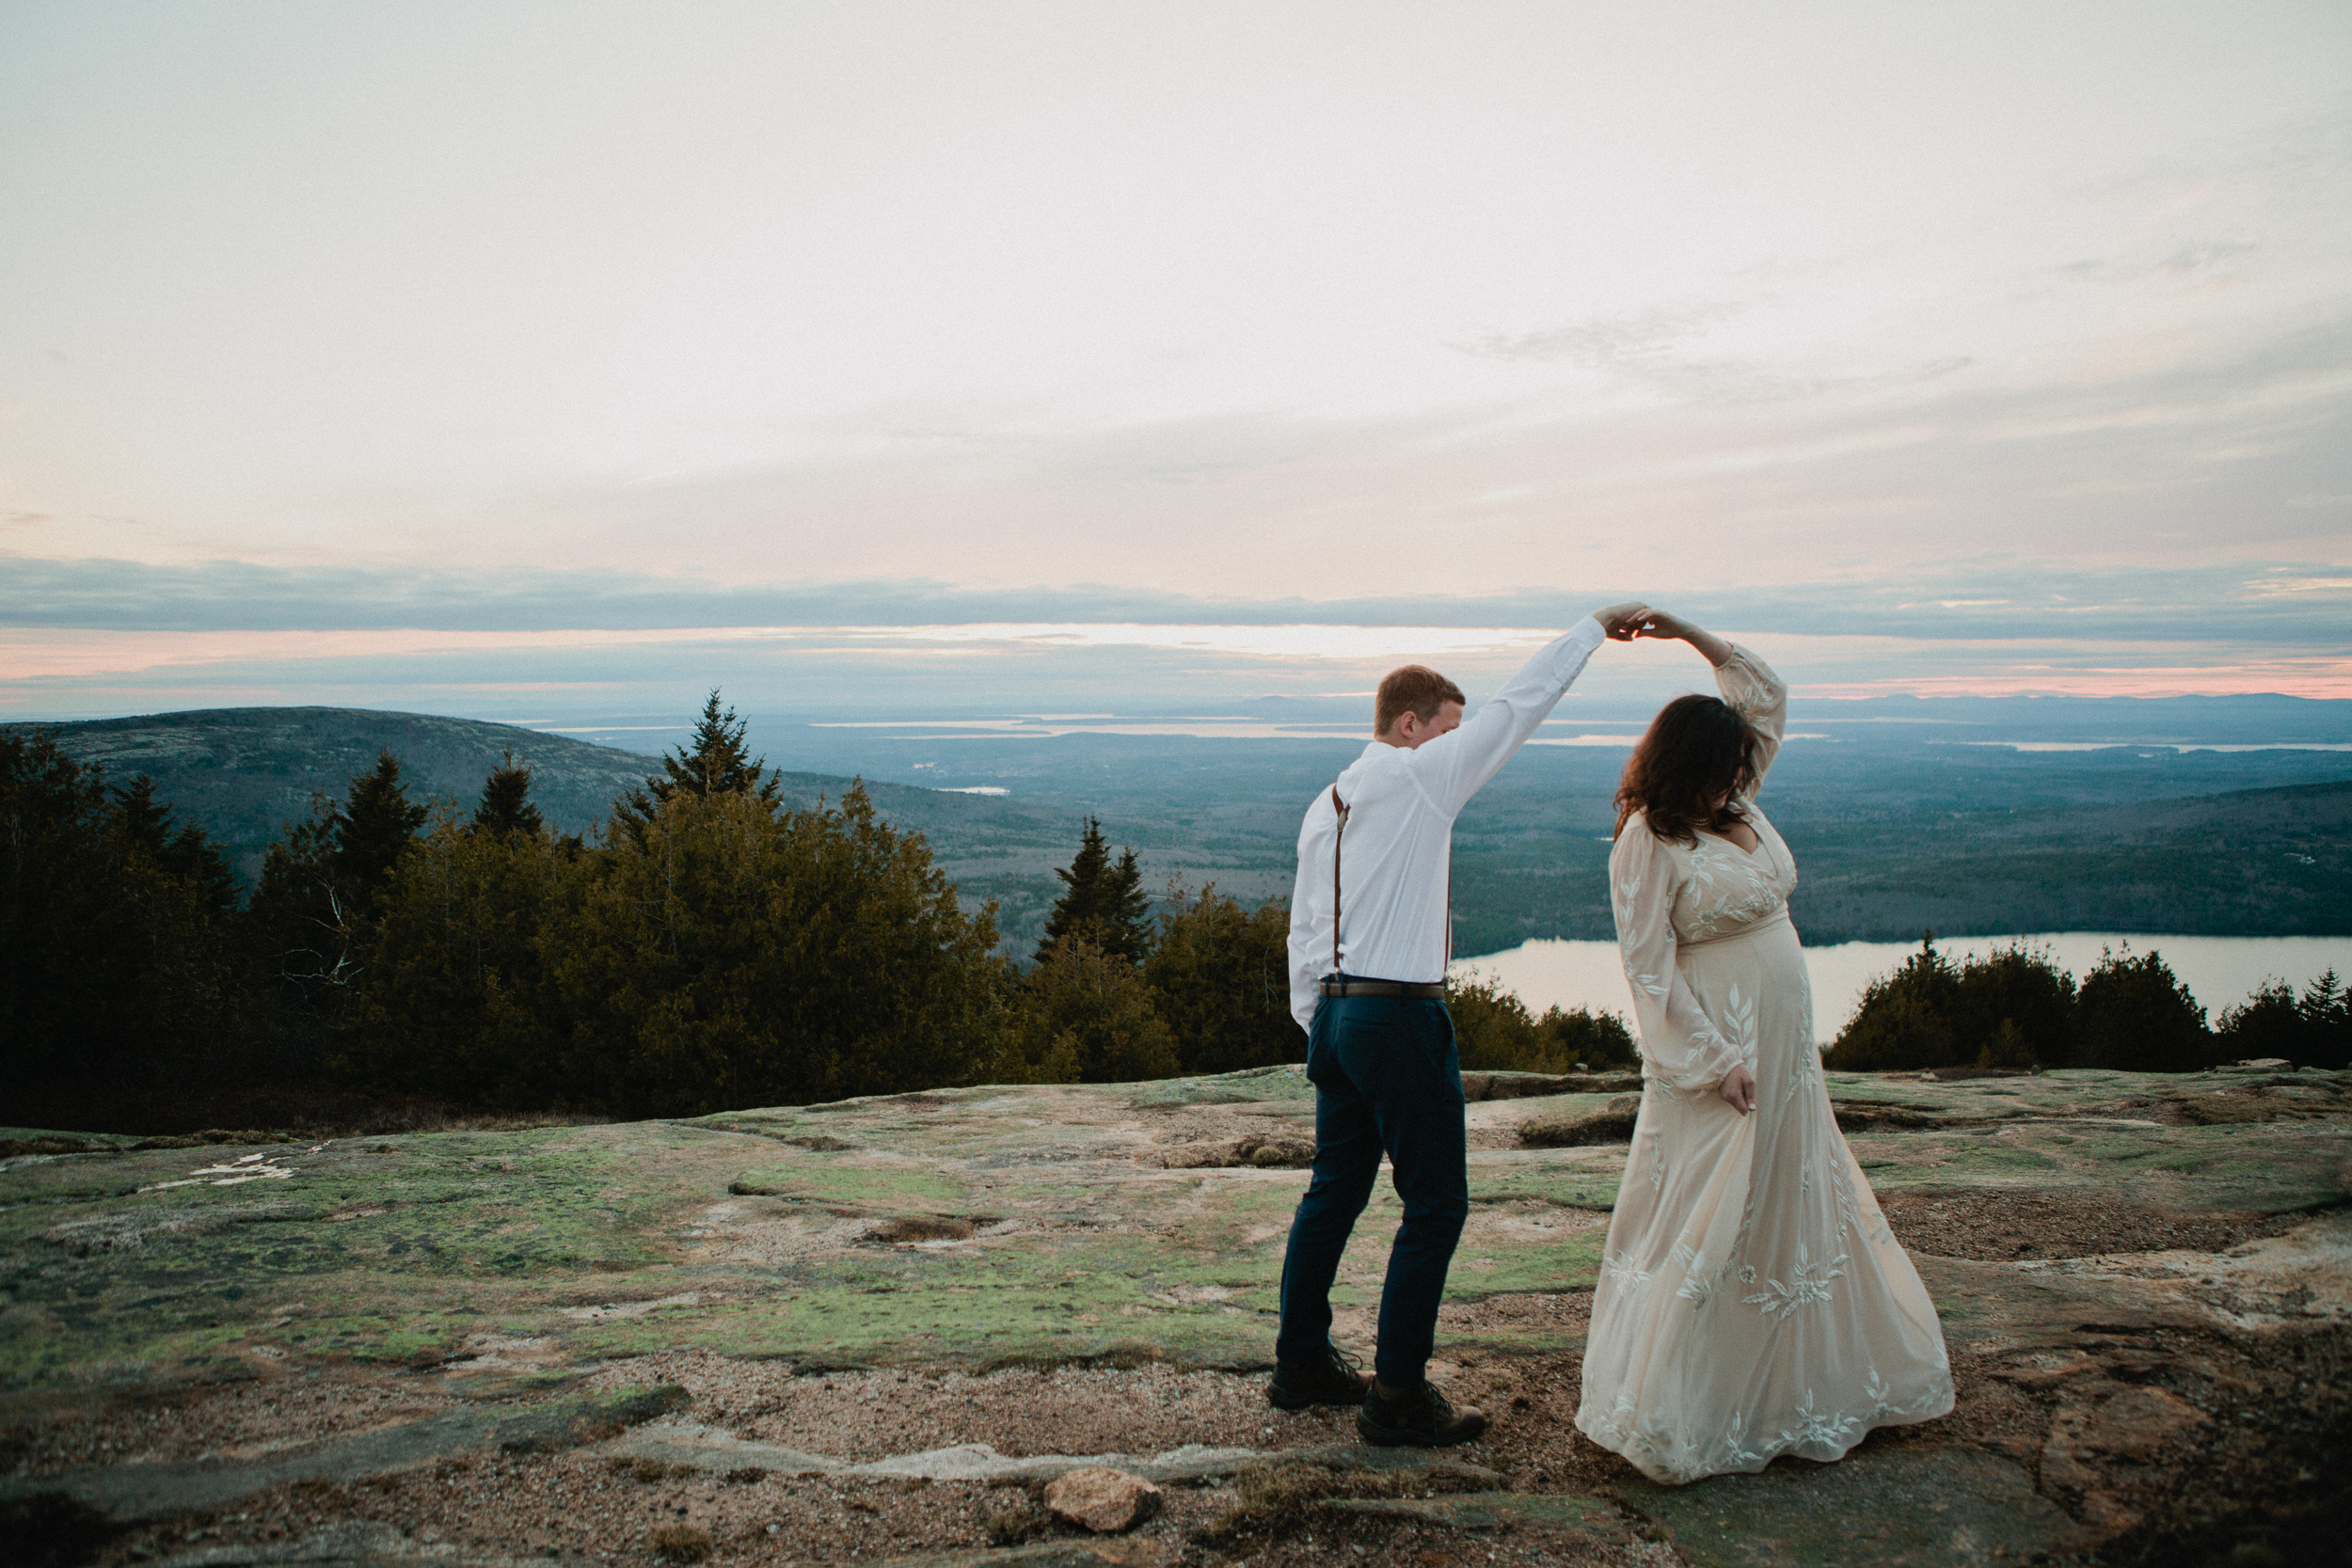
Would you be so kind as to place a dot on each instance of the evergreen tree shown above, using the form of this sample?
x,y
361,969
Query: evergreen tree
x,y
1905,1018
1105,904
456,997
2007,1049
117,974
311,910
2012,1008
2326,1014
185,852
1494,1031
2021,990
732,955
1587,1039
506,809
1220,978
2133,1014
718,762
1085,1015
377,824
2314,1030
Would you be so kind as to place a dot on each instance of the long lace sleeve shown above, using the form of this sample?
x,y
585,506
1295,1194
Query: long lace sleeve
x,y
1682,1047
1748,684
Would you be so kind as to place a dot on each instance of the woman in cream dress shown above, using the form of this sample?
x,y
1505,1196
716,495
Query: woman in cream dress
x,y
1752,1301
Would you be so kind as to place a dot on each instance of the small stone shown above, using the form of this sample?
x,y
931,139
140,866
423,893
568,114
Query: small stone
x,y
1103,1499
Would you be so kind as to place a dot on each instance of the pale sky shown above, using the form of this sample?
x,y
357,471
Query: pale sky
x,y
1957,348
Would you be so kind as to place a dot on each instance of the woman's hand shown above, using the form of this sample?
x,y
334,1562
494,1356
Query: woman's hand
x,y
1652,622
1738,1089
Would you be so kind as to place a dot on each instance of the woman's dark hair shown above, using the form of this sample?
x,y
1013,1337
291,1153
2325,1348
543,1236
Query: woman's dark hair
x,y
1697,749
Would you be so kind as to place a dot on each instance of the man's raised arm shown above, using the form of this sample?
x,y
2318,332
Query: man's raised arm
x,y
1455,765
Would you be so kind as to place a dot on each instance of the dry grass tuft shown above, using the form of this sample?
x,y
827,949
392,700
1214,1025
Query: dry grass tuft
x,y
681,1543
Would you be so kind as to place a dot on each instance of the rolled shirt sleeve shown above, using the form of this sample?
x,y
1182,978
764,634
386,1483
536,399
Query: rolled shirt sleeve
x,y
1681,1048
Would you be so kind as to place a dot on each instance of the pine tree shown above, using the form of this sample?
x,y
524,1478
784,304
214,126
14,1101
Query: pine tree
x,y
2133,1014
506,809
117,975
737,956
1105,903
377,824
186,852
1220,978
315,901
1085,1015
2325,1013
718,763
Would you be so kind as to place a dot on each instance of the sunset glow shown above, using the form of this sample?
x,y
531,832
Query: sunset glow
x,y
364,354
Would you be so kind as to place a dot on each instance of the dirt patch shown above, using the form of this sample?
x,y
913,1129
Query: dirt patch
x,y
1478,1086
924,1228
1610,1124
234,1420
858,1417
1265,1152
1554,1312
1999,1226
2256,1102
1878,1115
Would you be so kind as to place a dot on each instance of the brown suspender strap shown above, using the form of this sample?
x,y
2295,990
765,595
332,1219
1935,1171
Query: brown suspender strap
x,y
1339,807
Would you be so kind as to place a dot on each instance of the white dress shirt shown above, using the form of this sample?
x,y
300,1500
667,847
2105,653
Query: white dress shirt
x,y
1399,846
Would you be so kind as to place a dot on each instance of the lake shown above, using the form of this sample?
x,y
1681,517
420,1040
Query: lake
x,y
2218,971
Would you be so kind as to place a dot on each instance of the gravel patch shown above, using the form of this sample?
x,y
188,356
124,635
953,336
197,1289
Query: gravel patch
x,y
1998,1226
860,1417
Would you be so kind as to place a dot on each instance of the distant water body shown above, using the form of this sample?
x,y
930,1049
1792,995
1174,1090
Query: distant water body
x,y
2219,971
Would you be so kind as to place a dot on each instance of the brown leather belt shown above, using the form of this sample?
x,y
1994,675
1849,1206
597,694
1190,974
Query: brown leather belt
x,y
1416,990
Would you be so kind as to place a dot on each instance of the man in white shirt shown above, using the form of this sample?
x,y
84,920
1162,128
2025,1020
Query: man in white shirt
x,y
1368,950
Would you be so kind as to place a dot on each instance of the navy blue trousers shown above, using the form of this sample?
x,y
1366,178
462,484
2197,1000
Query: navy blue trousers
x,y
1387,1081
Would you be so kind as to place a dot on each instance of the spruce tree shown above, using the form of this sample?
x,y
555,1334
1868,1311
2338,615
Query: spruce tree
x,y
1220,978
2133,1014
506,809
717,763
117,975
185,852
377,824
1104,903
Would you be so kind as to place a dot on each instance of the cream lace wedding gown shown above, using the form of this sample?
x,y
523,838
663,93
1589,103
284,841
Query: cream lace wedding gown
x,y
1752,1301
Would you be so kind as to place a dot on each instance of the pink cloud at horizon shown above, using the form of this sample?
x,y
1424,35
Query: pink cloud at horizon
x,y
80,672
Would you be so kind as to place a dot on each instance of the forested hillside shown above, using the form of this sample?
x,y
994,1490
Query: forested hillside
x,y
243,774
1893,833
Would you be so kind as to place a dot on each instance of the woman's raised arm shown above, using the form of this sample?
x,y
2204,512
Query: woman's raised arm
x,y
1746,682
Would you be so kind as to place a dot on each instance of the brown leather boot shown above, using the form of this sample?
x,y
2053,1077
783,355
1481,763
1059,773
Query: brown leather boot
x,y
1333,1379
1419,1418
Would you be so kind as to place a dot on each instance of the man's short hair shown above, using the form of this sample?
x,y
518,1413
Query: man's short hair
x,y
1413,689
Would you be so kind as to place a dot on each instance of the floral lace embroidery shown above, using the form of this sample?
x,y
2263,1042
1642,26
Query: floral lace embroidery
x,y
1820,1426
1679,1455
1739,1025
1804,1287
1735,1443
1624,1271
1850,1205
